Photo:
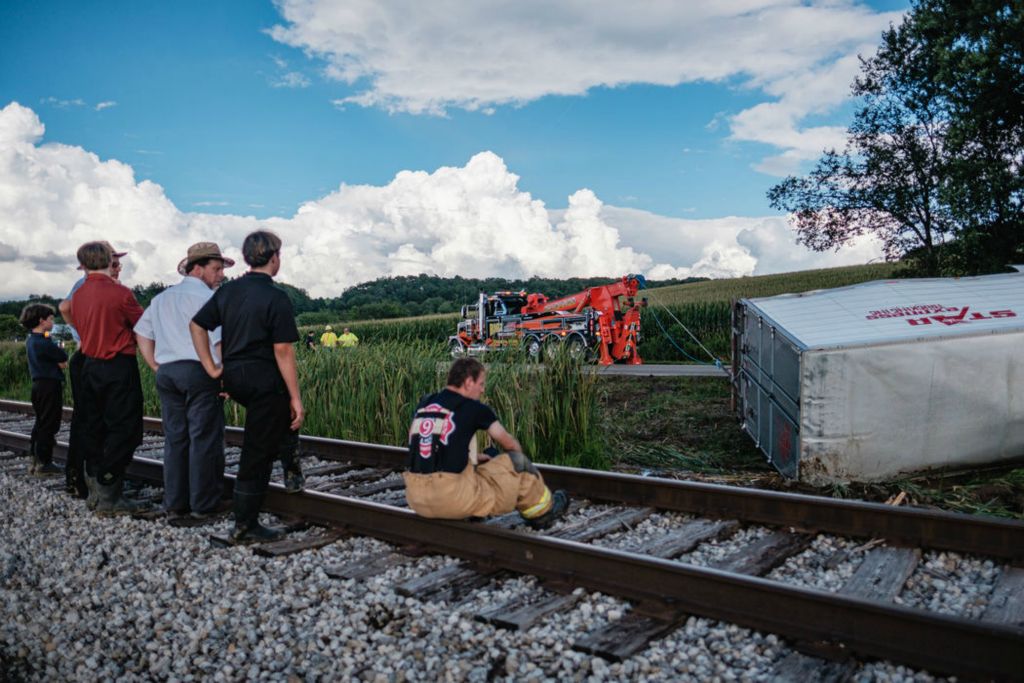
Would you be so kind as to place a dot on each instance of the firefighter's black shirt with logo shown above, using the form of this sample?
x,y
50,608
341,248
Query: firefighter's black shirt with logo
x,y
443,426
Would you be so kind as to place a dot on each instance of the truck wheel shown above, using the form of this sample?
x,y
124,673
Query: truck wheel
x,y
532,346
577,348
552,345
457,348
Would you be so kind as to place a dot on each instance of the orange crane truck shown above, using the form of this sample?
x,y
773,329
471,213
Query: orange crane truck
x,y
601,323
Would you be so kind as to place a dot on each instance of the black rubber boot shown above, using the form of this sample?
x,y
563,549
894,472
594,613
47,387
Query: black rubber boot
x,y
111,501
92,492
247,520
74,474
294,481
74,481
49,470
290,464
559,506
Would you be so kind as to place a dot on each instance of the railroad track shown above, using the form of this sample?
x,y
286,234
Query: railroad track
x,y
354,489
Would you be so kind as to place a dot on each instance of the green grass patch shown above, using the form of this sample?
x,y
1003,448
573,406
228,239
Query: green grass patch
x,y
682,424
998,492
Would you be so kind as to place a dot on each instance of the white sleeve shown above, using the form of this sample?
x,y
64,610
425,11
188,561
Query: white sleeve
x,y
145,325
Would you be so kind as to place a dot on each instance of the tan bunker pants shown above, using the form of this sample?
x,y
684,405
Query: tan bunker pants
x,y
504,483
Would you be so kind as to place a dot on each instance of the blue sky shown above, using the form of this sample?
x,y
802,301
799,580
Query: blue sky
x,y
684,114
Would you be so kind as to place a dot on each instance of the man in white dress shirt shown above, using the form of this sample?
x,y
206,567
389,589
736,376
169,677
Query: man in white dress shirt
x,y
191,407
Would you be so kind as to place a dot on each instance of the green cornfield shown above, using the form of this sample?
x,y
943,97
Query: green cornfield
x,y
432,328
368,393
769,285
14,377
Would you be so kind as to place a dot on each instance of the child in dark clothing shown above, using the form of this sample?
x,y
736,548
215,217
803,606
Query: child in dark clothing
x,y
46,363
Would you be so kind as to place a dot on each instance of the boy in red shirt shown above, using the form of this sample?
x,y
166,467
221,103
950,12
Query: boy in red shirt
x,y
105,312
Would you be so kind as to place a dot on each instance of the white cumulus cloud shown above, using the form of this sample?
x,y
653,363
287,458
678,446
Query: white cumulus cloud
x,y
428,57
470,220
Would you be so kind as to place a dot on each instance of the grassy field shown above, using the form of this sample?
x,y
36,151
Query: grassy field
x,y
727,290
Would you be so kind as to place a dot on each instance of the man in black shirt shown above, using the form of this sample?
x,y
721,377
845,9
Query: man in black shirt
x,y
447,479
258,330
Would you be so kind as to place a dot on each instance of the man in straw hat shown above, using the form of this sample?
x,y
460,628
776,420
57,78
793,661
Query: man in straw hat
x,y
104,312
190,403
74,473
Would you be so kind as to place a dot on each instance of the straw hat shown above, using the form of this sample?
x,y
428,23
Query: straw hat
x,y
198,252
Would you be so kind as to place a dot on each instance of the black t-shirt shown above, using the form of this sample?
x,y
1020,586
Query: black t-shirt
x,y
443,426
254,315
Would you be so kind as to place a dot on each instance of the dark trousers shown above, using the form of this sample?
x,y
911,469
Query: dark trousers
x,y
289,449
47,402
74,473
258,386
193,417
112,425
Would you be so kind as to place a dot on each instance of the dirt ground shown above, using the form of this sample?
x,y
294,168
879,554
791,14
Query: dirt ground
x,y
684,428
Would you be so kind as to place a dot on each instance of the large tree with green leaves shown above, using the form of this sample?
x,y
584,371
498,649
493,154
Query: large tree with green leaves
x,y
933,160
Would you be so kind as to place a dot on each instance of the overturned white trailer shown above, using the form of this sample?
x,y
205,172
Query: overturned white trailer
x,y
869,382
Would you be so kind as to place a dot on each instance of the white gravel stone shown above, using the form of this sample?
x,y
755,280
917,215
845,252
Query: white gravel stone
x,y
86,599
827,564
713,551
950,583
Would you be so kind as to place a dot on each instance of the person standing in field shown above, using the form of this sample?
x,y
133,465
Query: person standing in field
x,y
190,402
46,363
446,479
328,339
105,312
347,339
74,471
257,335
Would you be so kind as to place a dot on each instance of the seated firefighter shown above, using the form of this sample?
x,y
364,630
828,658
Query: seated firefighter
x,y
446,480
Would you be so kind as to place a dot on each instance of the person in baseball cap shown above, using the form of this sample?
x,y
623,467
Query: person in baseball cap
x,y
90,254
109,402
100,257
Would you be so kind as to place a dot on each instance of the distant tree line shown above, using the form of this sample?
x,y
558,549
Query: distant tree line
x,y
387,297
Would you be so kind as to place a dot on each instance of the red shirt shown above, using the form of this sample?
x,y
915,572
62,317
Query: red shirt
x,y
105,312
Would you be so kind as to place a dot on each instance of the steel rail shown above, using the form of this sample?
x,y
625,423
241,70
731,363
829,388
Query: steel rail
x,y
915,527
936,642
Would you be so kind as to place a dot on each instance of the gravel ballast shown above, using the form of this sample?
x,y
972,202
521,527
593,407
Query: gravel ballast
x,y
85,598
